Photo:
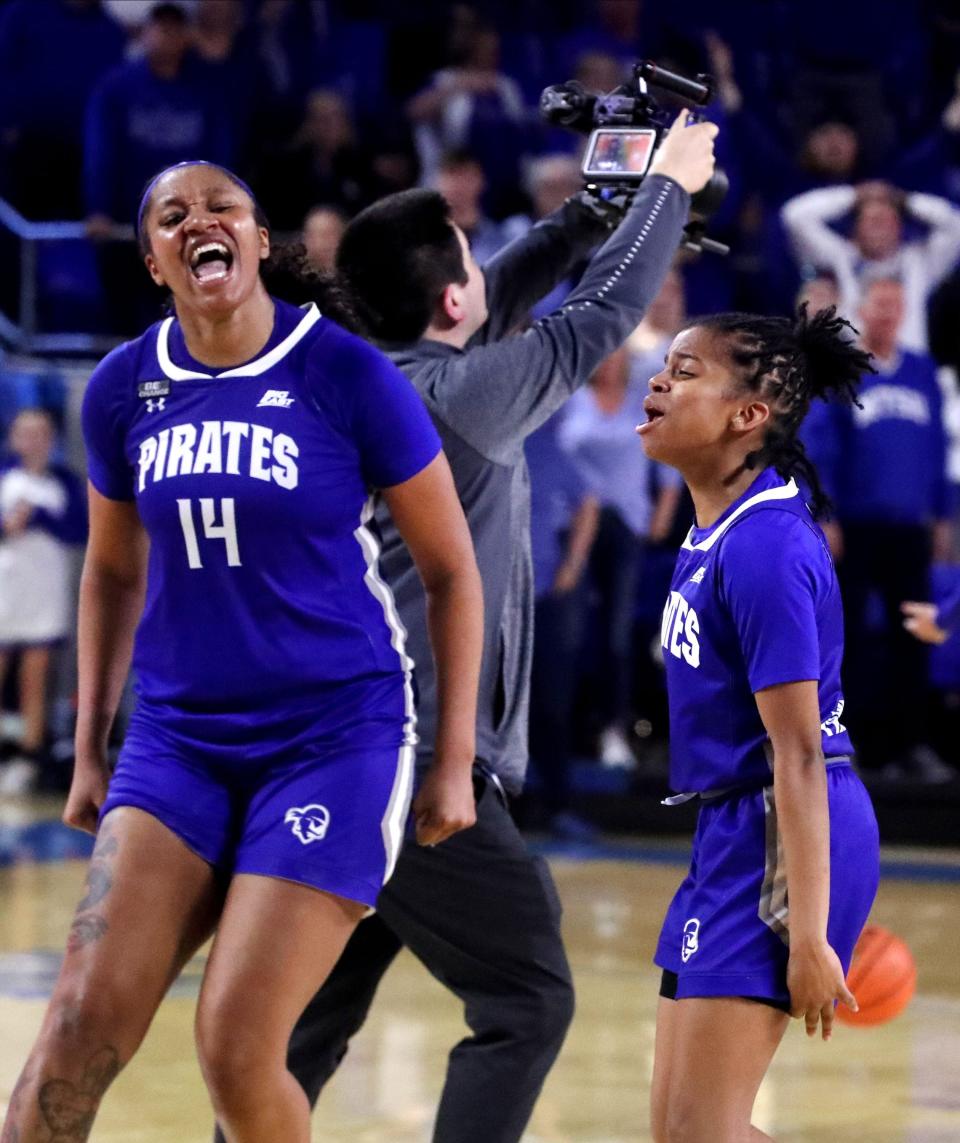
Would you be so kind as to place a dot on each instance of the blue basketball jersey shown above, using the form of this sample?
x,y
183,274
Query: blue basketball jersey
x,y
753,602
255,485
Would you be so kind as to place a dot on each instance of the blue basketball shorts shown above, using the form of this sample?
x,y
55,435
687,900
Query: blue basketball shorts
x,y
727,930
330,816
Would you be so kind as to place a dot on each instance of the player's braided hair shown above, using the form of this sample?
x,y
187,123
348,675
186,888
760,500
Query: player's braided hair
x,y
790,361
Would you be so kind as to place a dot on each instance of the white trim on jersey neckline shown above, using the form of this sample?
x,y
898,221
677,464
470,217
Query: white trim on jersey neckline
x,y
784,492
251,369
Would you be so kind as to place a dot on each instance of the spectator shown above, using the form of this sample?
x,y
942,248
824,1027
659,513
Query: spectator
x,y
472,106
322,230
819,293
651,339
550,180
52,55
563,524
323,164
148,114
884,465
598,433
460,180
878,245
41,513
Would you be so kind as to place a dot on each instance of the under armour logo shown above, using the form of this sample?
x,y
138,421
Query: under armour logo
x,y
309,823
156,406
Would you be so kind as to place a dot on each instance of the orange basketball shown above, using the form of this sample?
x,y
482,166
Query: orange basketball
x,y
882,976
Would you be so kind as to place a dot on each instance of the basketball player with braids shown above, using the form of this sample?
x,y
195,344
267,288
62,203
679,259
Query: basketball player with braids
x,y
785,856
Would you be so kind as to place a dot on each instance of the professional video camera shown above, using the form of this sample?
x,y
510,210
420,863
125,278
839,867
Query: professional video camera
x,y
625,126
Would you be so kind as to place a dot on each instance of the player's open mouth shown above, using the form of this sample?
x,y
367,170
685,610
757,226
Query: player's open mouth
x,y
210,262
653,415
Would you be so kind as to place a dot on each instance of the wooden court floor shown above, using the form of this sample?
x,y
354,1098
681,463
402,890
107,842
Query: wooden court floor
x,y
896,1084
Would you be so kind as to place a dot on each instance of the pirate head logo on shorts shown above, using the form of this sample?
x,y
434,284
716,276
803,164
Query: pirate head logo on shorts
x,y
691,942
309,823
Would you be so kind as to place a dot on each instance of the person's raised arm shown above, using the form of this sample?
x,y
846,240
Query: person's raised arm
x,y
528,268
941,247
806,219
495,395
791,716
431,523
111,600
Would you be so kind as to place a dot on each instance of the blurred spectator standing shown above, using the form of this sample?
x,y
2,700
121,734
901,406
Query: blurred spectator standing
x,y
322,230
52,55
323,164
460,180
878,245
598,432
472,106
146,114
651,339
149,113
563,524
41,512
549,181
884,466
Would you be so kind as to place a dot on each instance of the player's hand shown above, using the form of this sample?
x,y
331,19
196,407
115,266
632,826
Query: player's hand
x,y
444,805
88,792
686,154
921,621
815,980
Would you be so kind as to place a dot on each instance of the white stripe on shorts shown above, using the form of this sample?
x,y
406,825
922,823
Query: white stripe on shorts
x,y
773,910
398,807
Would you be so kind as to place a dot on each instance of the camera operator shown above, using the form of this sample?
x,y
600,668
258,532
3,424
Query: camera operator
x,y
480,912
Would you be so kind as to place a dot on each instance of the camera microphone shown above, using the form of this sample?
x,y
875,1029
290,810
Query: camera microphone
x,y
698,91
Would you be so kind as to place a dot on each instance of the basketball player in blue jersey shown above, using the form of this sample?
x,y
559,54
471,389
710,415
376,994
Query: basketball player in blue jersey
x,y
264,782
785,856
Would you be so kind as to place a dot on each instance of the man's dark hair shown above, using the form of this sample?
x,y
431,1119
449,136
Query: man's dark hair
x,y
397,257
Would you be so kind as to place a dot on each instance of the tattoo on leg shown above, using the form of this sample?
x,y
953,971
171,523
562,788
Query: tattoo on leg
x,y
69,1109
85,931
89,926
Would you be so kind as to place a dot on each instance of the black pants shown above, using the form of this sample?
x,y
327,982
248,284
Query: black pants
x,y
615,562
885,673
557,634
483,916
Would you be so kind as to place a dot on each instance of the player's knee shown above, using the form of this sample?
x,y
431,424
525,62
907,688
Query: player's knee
x,y
684,1118
231,1057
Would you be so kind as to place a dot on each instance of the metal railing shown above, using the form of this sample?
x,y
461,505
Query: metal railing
x,y
23,333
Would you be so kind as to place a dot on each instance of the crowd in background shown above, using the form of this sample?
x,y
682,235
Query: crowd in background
x,y
840,134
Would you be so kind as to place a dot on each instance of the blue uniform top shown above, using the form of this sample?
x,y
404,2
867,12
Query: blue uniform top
x,y
753,602
255,486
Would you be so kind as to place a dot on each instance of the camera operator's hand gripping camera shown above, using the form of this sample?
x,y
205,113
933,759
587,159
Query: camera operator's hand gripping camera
x,y
625,127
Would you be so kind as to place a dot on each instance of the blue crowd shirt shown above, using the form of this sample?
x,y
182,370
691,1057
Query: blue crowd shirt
x,y
887,461
556,492
138,123
753,603
603,446
256,487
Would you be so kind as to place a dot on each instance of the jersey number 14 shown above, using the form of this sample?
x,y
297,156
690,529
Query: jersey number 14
x,y
226,530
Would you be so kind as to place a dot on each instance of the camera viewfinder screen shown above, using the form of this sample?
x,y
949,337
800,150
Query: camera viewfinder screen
x,y
619,151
